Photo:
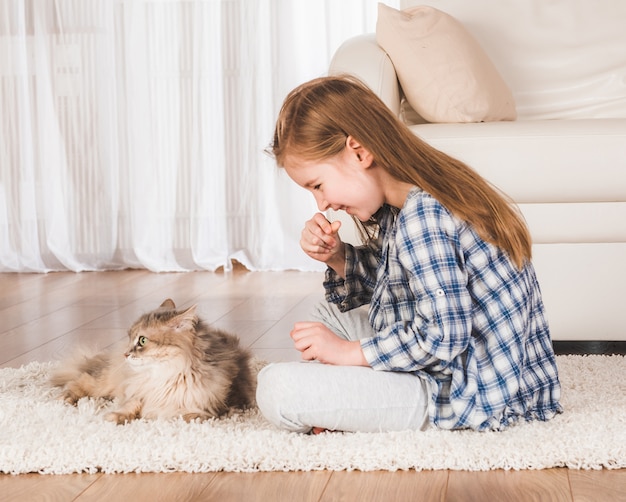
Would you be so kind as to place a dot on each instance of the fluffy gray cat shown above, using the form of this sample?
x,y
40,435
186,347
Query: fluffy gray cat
x,y
173,365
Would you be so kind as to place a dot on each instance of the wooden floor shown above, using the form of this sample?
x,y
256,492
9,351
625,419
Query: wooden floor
x,y
42,316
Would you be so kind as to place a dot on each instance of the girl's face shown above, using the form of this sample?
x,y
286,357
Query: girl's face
x,y
350,181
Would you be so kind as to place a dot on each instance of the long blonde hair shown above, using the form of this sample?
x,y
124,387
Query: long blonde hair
x,y
318,116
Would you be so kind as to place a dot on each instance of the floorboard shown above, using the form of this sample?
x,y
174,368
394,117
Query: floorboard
x,y
270,486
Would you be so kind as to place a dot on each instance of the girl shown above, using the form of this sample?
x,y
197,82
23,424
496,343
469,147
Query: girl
x,y
455,335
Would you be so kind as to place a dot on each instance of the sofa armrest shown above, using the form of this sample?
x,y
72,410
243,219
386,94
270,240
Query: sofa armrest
x,y
363,58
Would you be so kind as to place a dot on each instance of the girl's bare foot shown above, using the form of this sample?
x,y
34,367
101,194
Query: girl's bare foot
x,y
318,430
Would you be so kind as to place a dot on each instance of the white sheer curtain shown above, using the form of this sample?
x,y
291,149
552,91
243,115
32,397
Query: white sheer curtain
x,y
132,132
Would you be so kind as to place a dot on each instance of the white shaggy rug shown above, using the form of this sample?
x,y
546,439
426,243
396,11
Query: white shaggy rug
x,y
40,434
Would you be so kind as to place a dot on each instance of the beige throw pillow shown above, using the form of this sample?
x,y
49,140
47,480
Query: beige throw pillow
x,y
444,73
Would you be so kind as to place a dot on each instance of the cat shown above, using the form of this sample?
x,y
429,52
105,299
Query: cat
x,y
174,365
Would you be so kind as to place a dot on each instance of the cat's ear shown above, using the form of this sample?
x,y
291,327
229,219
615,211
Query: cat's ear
x,y
168,304
186,320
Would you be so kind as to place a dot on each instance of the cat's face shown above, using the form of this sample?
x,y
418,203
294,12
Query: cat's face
x,y
164,335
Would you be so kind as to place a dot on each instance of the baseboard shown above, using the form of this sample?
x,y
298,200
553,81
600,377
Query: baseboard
x,y
578,347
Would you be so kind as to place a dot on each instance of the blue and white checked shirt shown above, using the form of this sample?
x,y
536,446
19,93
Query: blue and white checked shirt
x,y
456,309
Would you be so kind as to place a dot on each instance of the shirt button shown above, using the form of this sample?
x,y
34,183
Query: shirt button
x,y
440,292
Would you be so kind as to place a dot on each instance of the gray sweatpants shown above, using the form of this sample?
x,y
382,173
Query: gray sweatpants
x,y
298,396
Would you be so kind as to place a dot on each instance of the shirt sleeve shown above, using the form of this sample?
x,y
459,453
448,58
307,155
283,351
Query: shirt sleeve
x,y
432,319
360,277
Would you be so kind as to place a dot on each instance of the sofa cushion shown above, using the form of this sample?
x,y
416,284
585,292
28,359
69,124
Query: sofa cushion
x,y
444,73
562,59
576,222
537,161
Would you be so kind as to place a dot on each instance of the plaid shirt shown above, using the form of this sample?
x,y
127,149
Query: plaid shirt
x,y
455,309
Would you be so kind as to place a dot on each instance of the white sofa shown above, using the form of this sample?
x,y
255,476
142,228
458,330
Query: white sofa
x,y
563,160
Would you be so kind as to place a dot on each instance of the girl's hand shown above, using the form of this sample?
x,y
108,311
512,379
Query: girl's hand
x,y
320,240
318,343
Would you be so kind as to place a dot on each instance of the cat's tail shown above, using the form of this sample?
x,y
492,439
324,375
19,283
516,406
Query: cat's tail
x,y
88,374
72,367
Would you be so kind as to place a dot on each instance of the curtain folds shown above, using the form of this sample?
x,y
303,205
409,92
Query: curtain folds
x,y
132,132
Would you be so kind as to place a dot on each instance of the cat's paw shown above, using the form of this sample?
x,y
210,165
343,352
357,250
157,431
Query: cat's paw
x,y
118,417
70,398
190,417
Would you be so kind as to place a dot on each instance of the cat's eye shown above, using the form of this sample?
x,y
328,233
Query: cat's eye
x,y
141,341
